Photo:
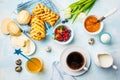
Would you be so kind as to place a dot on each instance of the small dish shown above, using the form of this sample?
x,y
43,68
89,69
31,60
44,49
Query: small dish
x,y
92,20
23,37
63,34
105,38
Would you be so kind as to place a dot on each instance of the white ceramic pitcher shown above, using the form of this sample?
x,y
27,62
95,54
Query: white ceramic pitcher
x,y
105,60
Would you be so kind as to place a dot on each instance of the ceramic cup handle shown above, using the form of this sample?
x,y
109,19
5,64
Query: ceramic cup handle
x,y
114,67
85,68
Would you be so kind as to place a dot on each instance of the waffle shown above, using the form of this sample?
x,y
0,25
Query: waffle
x,y
45,14
37,30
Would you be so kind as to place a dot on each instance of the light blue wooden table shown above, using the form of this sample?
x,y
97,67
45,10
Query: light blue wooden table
x,y
111,25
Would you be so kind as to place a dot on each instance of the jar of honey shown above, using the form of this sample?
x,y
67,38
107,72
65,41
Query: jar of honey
x,y
34,65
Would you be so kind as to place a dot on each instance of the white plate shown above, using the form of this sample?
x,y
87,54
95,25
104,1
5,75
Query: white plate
x,y
63,60
24,37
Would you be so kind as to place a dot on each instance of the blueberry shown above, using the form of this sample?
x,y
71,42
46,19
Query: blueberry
x,y
66,20
69,31
63,22
69,35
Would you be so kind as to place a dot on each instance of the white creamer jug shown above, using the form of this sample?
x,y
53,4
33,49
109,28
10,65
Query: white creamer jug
x,y
105,60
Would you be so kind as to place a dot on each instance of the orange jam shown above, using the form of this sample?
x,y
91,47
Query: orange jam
x,y
34,66
91,24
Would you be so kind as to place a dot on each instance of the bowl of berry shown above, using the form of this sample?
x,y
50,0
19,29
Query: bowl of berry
x,y
63,34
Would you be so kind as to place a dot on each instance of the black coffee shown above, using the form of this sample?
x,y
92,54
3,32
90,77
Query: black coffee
x,y
75,60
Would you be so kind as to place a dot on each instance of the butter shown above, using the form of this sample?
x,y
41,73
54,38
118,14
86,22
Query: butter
x,y
21,42
17,42
26,48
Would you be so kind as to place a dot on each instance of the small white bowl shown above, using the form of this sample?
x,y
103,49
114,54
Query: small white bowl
x,y
71,37
105,38
93,33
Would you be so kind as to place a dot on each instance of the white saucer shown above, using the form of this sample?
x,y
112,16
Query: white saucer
x,y
63,60
24,37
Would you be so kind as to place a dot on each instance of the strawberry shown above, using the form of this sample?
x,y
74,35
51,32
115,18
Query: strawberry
x,y
66,31
59,37
66,38
57,31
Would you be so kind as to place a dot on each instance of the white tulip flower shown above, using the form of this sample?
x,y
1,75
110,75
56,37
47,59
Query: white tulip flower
x,y
67,10
81,16
67,15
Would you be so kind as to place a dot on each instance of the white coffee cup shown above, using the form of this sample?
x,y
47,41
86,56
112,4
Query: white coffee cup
x,y
105,60
72,64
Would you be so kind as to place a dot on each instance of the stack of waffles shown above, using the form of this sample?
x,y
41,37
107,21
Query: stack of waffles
x,y
40,14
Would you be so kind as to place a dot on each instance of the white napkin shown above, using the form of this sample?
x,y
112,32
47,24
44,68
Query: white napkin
x,y
58,74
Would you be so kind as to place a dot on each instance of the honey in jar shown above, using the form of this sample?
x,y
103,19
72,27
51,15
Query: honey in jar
x,y
35,65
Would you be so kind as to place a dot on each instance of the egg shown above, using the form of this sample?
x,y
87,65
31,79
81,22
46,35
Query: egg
x,y
105,38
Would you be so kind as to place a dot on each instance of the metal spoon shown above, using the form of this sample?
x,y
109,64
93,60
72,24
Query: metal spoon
x,y
107,15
